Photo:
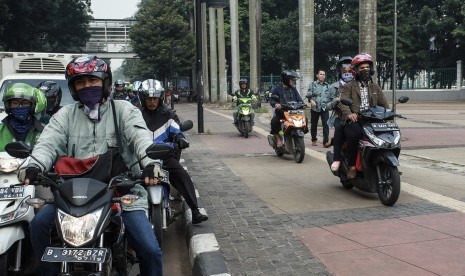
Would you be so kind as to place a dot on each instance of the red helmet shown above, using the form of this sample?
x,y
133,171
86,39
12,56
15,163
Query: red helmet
x,y
88,66
363,58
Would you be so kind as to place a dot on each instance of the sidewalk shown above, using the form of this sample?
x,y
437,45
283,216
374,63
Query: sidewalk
x,y
263,229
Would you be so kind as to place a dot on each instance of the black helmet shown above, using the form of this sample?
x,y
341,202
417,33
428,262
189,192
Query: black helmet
x,y
119,83
88,66
241,81
287,75
52,91
151,88
340,62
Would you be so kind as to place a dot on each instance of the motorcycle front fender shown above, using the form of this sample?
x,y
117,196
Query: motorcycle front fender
x,y
10,234
387,157
298,133
155,194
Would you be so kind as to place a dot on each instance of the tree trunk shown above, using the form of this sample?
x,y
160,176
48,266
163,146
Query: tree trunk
x,y
213,56
253,45
235,65
306,43
367,28
222,58
206,90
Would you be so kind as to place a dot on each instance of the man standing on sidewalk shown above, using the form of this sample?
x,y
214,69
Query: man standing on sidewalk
x,y
318,95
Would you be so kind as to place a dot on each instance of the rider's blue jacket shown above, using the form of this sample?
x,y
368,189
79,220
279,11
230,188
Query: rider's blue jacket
x,y
285,94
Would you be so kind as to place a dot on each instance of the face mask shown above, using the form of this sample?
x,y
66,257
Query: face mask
x,y
21,113
346,77
365,75
90,96
50,103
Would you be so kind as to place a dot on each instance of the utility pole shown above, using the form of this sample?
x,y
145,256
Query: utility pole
x,y
235,67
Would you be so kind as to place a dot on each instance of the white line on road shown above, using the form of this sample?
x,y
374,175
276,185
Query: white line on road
x,y
408,188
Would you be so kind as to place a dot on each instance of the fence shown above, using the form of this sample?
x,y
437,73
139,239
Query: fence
x,y
443,78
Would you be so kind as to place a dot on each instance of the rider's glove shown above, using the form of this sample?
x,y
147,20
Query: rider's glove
x,y
182,143
153,171
30,172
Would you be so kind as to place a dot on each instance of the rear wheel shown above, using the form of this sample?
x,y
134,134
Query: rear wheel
x,y
388,184
299,149
156,218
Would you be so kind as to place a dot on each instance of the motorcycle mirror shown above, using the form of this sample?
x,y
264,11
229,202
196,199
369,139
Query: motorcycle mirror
x,y
159,151
347,101
18,149
403,99
186,125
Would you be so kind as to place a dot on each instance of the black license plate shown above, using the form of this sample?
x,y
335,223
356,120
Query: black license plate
x,y
75,255
11,192
384,126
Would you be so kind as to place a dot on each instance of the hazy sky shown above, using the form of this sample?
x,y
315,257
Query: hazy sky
x,y
113,9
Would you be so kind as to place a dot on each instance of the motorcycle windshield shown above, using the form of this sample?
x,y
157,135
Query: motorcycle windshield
x,y
377,113
80,191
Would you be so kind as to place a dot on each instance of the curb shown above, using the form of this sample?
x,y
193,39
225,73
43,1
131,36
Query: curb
x,y
204,254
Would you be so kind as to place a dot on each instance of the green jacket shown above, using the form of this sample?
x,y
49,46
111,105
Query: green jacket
x,y
71,133
320,94
6,134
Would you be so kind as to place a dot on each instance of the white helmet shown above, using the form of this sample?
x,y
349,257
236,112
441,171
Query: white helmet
x,y
152,89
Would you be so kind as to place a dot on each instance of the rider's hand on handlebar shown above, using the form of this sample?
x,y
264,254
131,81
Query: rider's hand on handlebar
x,y
29,174
182,142
277,106
151,174
353,117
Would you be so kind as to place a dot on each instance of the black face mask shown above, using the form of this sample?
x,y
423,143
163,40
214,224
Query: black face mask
x,y
365,75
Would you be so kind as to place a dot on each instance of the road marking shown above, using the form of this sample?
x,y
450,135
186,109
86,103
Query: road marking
x,y
432,197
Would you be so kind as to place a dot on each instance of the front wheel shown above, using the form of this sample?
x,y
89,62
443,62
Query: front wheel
x,y
299,149
156,219
246,128
388,184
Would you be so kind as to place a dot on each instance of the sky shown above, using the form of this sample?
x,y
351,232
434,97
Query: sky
x,y
113,9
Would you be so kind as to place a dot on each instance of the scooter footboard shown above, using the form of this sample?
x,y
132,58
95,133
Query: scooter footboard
x,y
387,157
155,194
10,234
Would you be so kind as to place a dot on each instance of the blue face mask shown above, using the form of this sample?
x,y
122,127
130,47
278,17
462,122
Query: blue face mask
x,y
90,96
346,77
21,121
21,113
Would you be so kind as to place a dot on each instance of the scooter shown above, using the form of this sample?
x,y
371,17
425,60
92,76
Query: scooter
x,y
161,212
88,219
15,216
292,131
378,154
245,114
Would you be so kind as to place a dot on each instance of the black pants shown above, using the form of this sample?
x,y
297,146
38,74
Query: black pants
x,y
353,133
181,180
275,121
338,139
324,121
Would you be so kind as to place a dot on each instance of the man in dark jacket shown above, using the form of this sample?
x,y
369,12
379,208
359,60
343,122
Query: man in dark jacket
x,y
364,93
163,123
286,93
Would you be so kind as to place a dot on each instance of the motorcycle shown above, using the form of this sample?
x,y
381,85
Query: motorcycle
x,y
161,211
88,219
292,132
377,157
245,114
15,216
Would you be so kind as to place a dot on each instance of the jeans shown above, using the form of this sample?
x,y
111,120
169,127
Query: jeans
x,y
139,234
324,121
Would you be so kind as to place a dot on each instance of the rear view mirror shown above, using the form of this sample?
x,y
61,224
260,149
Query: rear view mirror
x,y
186,125
18,149
403,99
159,151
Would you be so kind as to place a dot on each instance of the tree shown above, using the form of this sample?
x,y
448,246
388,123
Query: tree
x,y
41,26
160,28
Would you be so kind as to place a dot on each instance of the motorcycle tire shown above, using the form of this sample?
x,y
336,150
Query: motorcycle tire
x,y
156,219
299,149
247,128
388,193
4,264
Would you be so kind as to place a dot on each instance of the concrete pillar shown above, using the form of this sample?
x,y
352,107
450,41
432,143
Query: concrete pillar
x,y
253,45
459,74
235,65
306,44
213,56
206,89
222,57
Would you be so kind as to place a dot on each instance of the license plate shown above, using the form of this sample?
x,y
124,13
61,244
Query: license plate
x,y
11,192
75,255
384,126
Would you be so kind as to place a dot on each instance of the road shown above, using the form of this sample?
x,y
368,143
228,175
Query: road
x,y
265,210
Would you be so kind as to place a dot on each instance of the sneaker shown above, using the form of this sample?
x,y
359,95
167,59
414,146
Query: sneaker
x,y
335,166
314,143
198,217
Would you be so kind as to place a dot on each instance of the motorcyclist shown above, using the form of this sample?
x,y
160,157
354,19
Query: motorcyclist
x,y
162,122
364,93
243,92
53,93
119,92
345,75
20,102
133,94
86,129
286,93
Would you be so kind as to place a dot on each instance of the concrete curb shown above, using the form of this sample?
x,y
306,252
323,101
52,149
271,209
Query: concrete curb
x,y
204,254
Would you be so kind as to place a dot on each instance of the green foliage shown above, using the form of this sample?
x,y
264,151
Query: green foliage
x,y
159,28
48,25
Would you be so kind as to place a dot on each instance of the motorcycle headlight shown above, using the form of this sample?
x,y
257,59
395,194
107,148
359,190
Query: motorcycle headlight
x,y
396,137
298,123
78,230
8,165
19,212
376,140
245,111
